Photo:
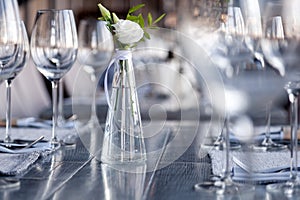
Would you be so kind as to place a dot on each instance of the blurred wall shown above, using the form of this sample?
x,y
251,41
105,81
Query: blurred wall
x,y
83,8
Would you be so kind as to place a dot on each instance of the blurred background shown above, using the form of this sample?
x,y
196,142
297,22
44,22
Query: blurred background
x,y
189,17
30,83
84,8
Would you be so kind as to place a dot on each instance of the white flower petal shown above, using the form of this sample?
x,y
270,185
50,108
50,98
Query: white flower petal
x,y
128,32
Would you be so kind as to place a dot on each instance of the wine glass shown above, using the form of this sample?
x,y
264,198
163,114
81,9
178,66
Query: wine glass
x,y
9,47
272,30
21,59
54,46
256,34
94,52
231,38
282,51
234,25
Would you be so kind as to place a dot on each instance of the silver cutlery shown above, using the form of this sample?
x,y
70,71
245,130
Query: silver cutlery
x,y
21,146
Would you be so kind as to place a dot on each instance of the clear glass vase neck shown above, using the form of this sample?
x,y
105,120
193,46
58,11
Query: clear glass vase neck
x,y
123,54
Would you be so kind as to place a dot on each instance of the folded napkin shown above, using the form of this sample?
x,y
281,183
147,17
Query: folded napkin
x,y
260,177
13,164
256,161
18,161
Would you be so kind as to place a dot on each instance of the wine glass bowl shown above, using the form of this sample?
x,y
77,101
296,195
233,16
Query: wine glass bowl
x,y
9,47
23,54
54,42
54,46
95,45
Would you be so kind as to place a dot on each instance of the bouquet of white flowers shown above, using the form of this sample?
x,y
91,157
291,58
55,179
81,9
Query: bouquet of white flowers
x,y
128,32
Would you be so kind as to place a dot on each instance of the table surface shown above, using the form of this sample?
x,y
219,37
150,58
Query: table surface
x,y
75,172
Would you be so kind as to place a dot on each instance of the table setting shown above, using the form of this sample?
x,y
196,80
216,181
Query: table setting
x,y
208,111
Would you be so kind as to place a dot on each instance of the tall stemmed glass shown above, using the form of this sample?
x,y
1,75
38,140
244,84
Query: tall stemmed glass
x,y
283,51
235,26
256,34
9,46
54,47
235,100
95,50
20,61
271,31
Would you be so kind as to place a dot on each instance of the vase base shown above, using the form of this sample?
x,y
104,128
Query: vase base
x,y
123,161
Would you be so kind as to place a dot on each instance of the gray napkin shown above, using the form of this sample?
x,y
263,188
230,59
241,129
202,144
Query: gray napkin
x,y
256,161
14,164
19,161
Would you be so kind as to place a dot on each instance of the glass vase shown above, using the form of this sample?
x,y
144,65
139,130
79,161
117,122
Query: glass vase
x,y
123,140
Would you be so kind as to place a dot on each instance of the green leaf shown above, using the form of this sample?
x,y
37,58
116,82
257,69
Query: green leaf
x,y
146,35
133,18
150,20
135,8
141,20
160,18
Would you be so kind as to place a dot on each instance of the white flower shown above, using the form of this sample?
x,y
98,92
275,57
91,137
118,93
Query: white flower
x,y
128,32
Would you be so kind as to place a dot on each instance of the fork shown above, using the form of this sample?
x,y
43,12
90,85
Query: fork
x,y
5,149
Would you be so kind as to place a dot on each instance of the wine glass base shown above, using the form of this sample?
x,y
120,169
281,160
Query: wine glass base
x,y
269,147
8,183
223,188
55,144
7,139
288,188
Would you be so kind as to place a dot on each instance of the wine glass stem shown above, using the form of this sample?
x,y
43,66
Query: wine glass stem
x,y
294,139
227,173
60,116
55,111
93,109
268,135
8,111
